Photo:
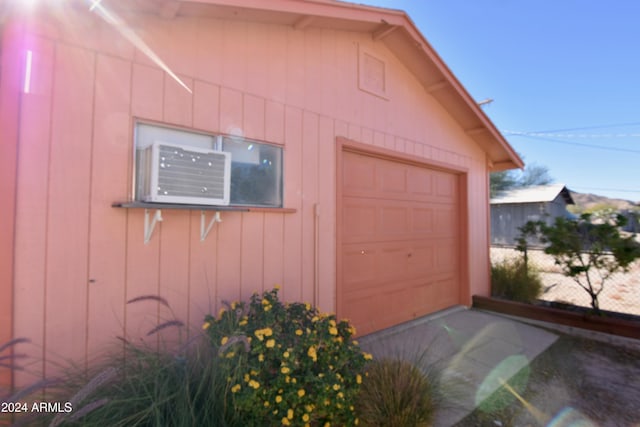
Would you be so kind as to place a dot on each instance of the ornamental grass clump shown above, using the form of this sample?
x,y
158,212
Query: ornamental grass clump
x,y
288,364
170,380
515,280
396,393
144,386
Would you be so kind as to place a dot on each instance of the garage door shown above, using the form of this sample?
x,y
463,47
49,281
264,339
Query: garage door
x,y
399,251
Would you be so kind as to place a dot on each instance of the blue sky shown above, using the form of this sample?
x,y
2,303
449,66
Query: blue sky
x,y
565,74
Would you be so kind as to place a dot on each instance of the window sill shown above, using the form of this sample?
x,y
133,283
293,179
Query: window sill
x,y
270,210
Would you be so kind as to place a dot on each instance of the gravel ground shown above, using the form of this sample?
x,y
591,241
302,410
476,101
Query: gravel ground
x,y
621,292
576,382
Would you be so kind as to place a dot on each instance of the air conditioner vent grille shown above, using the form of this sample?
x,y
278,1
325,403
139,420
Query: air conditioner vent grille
x,y
179,174
190,174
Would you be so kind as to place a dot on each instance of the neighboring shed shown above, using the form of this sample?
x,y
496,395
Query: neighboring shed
x,y
633,220
512,209
358,173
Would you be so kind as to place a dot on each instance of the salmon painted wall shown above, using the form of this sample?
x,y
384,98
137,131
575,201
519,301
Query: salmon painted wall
x,y
78,260
10,79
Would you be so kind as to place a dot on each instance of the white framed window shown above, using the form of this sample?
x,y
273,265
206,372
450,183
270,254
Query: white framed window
x,y
256,167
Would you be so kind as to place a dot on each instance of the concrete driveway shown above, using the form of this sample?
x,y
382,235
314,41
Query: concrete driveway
x,y
475,351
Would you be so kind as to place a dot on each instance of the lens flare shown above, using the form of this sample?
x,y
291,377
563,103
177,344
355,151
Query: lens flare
x,y
457,337
488,396
27,72
125,31
570,417
540,416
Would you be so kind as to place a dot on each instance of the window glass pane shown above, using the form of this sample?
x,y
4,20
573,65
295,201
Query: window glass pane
x,y
147,134
256,172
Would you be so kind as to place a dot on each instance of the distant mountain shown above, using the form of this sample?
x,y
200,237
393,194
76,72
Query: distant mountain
x,y
587,201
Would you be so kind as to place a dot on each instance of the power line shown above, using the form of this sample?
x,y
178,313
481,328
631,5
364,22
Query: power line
x,y
592,127
606,189
600,147
573,135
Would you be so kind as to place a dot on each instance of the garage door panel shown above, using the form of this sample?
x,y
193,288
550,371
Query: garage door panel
x,y
393,263
390,305
400,250
374,220
360,311
395,221
420,183
359,221
385,179
421,260
384,307
425,298
446,256
445,221
358,174
446,186
392,179
360,269
400,305
423,220
366,265
397,261
448,292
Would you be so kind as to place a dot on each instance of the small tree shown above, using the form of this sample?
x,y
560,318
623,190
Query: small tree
x,y
533,174
501,181
589,253
530,230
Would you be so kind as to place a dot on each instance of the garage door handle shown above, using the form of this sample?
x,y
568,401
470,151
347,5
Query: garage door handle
x,y
363,252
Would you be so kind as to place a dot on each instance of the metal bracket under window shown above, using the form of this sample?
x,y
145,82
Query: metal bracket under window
x,y
151,219
150,224
204,230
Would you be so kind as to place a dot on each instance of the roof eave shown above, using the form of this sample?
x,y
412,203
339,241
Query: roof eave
x,y
447,89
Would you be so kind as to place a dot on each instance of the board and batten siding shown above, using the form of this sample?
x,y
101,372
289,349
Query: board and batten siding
x,y
9,122
78,260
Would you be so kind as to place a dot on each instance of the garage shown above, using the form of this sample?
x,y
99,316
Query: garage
x,y
399,239
359,168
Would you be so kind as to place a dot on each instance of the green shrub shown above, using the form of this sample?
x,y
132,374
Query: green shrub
x,y
395,393
514,280
288,364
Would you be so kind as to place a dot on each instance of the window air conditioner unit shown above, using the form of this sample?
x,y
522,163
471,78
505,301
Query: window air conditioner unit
x,y
174,173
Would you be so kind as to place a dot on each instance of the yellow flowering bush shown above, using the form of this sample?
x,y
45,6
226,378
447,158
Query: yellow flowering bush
x,y
288,364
